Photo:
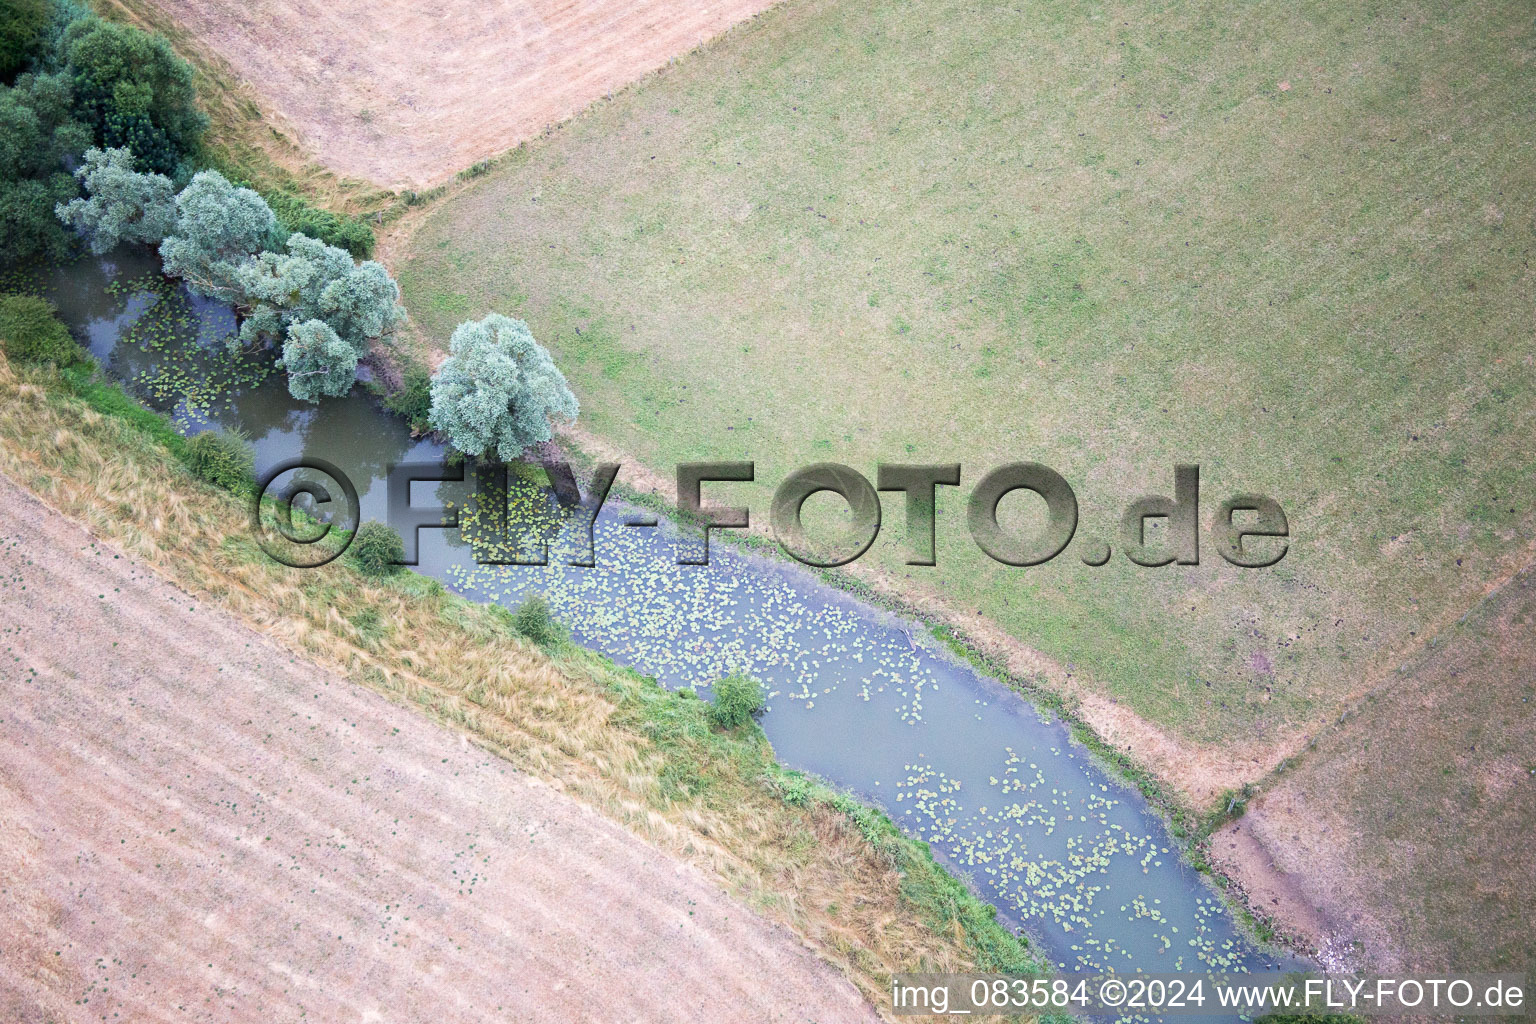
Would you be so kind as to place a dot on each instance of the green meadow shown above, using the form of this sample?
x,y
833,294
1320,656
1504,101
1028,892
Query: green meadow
x,y
1290,243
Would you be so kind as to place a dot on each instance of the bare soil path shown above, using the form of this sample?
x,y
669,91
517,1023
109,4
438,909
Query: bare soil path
x,y
195,825
407,94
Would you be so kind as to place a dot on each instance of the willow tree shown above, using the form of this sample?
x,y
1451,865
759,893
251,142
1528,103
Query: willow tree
x,y
498,391
317,283
318,362
218,227
123,205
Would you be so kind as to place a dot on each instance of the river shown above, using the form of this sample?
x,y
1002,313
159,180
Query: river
x,y
868,701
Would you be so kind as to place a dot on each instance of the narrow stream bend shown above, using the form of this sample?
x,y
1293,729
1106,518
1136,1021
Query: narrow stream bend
x,y
1004,796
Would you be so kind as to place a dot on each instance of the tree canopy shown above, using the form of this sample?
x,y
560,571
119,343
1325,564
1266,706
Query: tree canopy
x,y
133,91
319,364
22,27
218,227
124,205
498,390
36,132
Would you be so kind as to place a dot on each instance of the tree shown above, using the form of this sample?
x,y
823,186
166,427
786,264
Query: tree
x,y
124,206
315,281
363,305
36,133
22,26
318,362
133,91
285,288
498,389
218,227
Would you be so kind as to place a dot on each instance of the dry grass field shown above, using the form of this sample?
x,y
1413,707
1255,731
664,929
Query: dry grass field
x,y
1410,824
864,899
193,820
406,94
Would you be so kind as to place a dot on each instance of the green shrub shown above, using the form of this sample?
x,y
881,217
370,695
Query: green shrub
x,y
794,788
341,230
32,333
377,550
22,27
738,699
413,402
224,458
536,622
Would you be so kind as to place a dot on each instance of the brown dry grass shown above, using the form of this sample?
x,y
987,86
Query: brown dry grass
x,y
806,867
317,851
245,136
1410,823
405,95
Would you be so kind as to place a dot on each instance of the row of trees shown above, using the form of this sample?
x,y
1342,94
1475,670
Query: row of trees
x,y
223,240
74,84
497,392
72,80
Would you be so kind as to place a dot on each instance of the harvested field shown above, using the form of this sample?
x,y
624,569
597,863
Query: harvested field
x,y
195,825
404,94
1410,823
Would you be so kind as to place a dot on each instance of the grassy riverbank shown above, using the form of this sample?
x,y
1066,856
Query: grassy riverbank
x,y
866,897
1106,240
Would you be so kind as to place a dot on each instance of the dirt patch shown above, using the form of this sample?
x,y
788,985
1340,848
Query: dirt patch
x,y
407,94
1243,857
195,823
1410,822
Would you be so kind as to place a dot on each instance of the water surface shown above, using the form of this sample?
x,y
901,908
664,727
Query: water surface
x,y
868,701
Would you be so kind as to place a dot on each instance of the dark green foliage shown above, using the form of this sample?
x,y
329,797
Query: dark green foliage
x,y
344,232
534,621
27,225
133,91
31,333
23,25
738,700
377,550
413,402
224,458
36,133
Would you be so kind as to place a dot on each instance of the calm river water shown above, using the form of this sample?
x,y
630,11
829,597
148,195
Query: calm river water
x,y
867,701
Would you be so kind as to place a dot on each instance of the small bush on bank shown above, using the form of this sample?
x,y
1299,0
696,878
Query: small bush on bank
x,y
738,700
223,458
794,788
413,402
294,213
33,334
377,550
536,622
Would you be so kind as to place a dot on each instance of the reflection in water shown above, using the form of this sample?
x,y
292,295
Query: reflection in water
x,y
1001,792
